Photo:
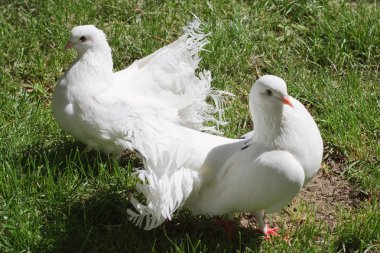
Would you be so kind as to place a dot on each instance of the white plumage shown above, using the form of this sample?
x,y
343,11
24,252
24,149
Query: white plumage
x,y
103,109
214,175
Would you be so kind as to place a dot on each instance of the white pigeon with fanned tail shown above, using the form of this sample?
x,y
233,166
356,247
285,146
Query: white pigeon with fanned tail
x,y
165,83
213,175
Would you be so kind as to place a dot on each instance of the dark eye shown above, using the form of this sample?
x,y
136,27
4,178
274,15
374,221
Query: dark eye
x,y
83,38
269,92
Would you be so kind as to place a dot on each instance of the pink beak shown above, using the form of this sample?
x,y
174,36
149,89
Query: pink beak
x,y
69,45
286,101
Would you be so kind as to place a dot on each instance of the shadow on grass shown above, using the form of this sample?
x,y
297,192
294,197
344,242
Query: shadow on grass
x,y
69,154
97,221
100,224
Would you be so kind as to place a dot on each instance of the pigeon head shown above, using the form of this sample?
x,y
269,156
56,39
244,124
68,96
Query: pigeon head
x,y
86,37
269,91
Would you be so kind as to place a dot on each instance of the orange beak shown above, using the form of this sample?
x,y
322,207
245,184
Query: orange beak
x,y
69,45
286,101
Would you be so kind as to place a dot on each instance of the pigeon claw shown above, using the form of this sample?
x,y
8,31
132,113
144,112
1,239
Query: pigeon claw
x,y
270,232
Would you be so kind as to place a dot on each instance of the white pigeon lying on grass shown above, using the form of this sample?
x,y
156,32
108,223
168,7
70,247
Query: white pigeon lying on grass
x,y
213,175
99,107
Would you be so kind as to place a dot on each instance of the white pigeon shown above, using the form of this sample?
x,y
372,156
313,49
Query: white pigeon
x,y
213,175
91,101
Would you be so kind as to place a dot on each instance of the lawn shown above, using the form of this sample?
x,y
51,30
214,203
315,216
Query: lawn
x,y
55,197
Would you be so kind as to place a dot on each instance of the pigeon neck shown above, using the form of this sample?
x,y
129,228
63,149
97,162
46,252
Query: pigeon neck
x,y
90,73
267,125
98,58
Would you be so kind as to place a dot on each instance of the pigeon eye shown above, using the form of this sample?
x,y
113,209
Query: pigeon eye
x,y
269,92
83,38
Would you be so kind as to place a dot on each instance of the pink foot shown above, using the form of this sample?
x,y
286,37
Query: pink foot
x,y
270,231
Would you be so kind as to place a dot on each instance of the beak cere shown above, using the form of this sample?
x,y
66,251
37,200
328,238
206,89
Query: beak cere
x,y
69,45
286,101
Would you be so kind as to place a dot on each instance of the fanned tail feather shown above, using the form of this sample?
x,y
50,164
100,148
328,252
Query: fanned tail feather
x,y
164,195
171,75
166,183
199,111
166,180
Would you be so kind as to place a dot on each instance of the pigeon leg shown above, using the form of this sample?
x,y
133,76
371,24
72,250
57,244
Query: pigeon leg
x,y
228,225
267,231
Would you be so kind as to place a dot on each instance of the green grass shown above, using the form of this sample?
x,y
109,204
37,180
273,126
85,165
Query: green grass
x,y
54,197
